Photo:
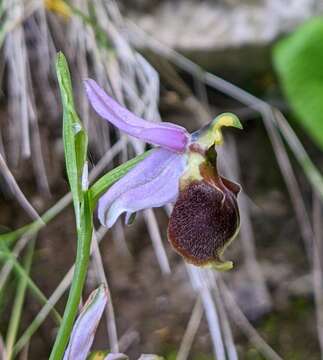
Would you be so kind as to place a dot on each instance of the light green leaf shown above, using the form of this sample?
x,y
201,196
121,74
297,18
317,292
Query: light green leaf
x,y
74,136
19,300
298,60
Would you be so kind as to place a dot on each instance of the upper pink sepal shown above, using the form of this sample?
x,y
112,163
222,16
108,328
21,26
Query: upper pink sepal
x,y
166,135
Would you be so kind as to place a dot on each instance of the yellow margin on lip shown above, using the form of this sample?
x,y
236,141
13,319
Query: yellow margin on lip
x,y
219,266
214,135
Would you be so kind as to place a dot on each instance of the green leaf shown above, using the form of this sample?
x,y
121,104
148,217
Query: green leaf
x,y
8,257
74,137
81,266
19,300
298,62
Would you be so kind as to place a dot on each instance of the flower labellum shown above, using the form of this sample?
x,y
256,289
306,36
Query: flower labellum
x,y
205,218
182,170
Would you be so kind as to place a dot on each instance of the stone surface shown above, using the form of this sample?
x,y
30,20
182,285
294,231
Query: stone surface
x,y
228,32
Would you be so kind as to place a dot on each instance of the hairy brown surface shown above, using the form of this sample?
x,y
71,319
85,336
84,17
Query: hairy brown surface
x,y
204,219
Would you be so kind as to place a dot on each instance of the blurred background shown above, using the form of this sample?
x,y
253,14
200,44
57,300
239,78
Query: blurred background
x,y
185,62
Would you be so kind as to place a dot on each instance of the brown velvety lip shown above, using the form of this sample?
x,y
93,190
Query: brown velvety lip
x,y
204,219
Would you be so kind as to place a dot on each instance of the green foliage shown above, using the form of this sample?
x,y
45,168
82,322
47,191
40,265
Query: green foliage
x,y
298,60
74,136
17,308
75,148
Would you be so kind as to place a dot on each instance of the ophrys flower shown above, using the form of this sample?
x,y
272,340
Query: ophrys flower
x,y
182,170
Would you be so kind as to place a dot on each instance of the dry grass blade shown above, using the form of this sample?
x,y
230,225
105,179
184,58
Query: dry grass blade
x,y
156,239
127,339
7,267
299,152
317,275
191,330
110,317
16,57
23,127
242,322
199,281
225,325
290,180
230,163
120,241
19,195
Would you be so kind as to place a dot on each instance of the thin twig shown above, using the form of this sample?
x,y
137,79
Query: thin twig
x,y
191,330
245,326
201,285
317,275
21,198
110,317
154,233
227,333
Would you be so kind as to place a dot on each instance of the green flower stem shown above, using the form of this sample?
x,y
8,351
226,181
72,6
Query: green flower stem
x,y
83,251
98,188
81,265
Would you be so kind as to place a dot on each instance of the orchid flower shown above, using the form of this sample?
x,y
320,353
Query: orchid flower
x,y
181,170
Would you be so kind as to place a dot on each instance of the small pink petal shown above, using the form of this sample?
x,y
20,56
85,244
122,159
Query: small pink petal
x,y
166,135
85,326
154,182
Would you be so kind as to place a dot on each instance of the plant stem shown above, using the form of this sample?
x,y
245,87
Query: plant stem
x,y
81,265
83,252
